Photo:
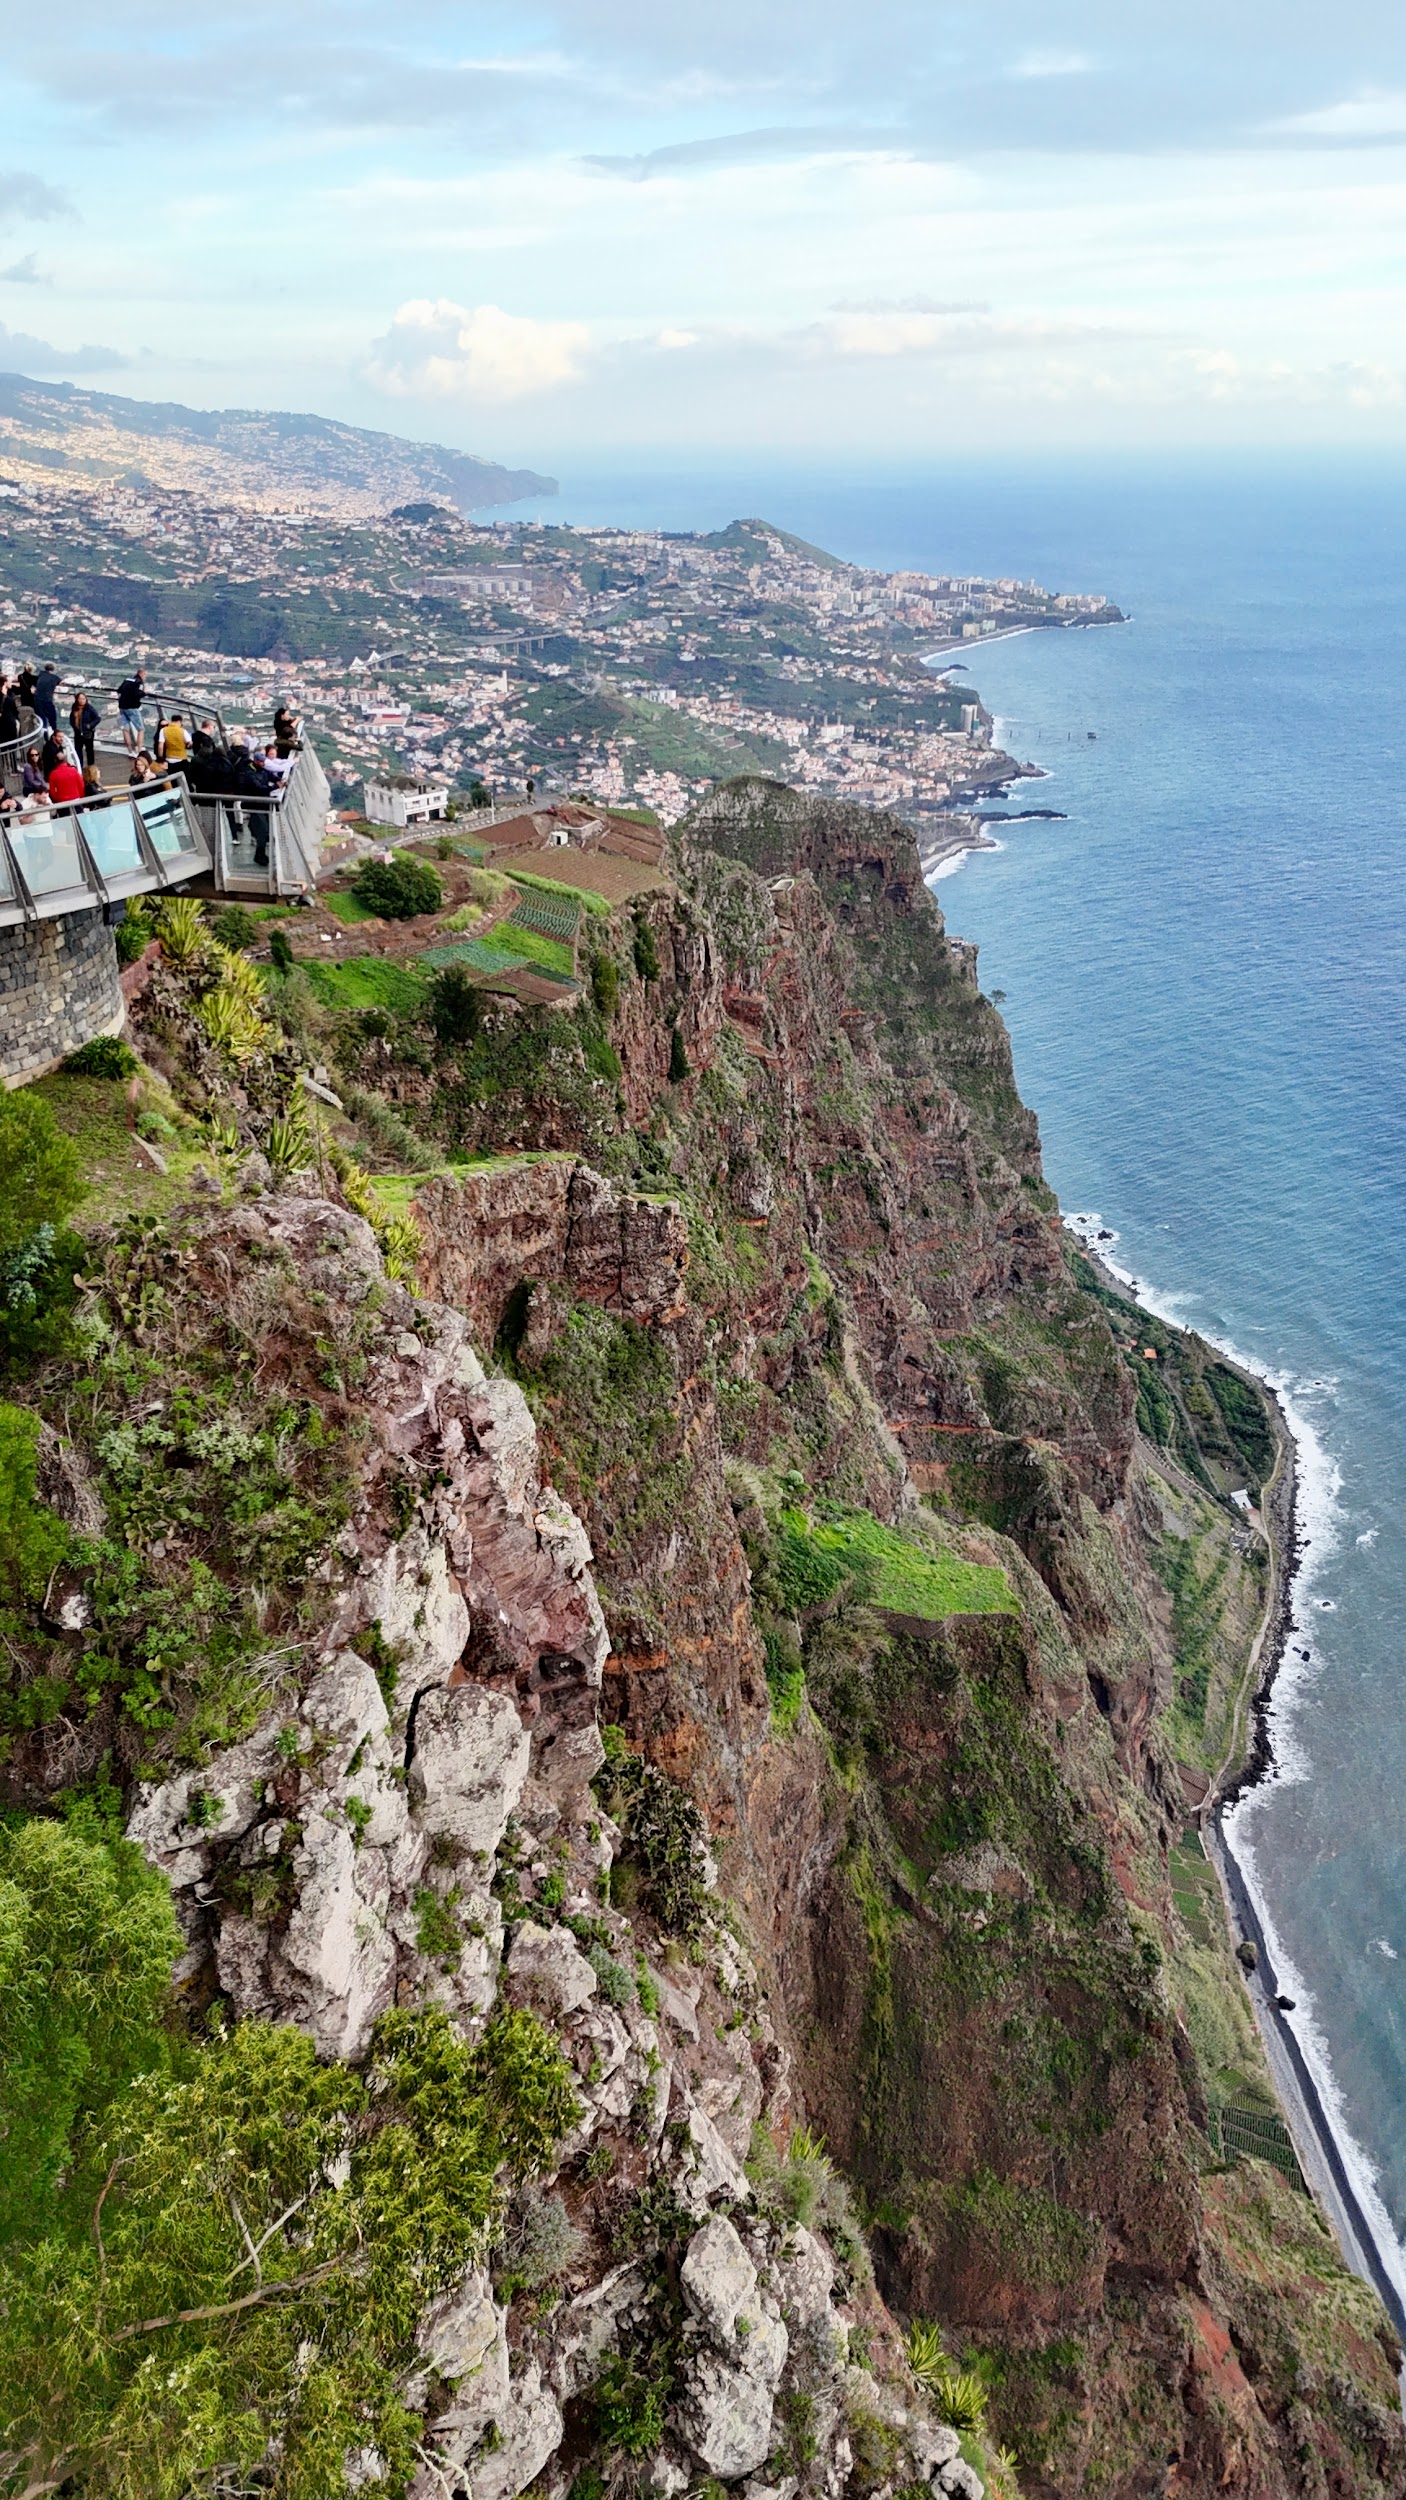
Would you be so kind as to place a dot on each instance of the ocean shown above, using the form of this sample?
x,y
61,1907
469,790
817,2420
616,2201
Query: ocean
x,y
1204,971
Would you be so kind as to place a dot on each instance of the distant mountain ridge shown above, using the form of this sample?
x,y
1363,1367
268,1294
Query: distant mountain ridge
x,y
269,459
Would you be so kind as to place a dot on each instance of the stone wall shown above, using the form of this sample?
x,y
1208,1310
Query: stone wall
x,y
58,988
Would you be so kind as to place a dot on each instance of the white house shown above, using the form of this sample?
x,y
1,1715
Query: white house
x,y
406,799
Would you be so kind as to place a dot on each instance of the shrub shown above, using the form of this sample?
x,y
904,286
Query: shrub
x,y
678,1058
664,1835
630,2406
539,2245
32,1539
281,954
141,2355
605,984
455,1005
398,889
104,1056
87,1941
43,1184
236,928
133,933
646,952
615,1983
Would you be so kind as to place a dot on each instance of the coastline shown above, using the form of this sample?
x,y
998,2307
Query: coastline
x,y
1326,2161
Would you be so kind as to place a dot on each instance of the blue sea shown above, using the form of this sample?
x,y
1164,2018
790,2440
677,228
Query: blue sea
x,y
1204,971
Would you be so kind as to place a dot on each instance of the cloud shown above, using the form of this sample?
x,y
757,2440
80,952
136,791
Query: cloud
x,y
23,197
907,304
21,353
439,350
26,272
1375,113
1052,65
744,147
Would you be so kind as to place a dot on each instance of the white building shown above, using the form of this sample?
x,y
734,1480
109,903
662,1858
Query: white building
x,y
405,799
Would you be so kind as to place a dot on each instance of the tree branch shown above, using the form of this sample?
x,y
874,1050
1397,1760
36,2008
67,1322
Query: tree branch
x,y
227,2308
119,2164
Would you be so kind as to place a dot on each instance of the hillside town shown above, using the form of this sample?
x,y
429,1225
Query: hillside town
x,y
636,666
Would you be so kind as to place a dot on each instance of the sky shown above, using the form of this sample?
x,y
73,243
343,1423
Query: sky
x,y
626,229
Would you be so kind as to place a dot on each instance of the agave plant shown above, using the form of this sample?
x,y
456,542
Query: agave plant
x,y
232,1024
290,1144
400,1247
222,1134
926,2358
960,2399
181,928
240,976
356,1188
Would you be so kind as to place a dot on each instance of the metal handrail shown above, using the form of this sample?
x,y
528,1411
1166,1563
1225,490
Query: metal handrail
x,y
98,887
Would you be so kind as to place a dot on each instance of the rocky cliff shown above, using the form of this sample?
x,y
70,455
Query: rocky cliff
x,y
690,1697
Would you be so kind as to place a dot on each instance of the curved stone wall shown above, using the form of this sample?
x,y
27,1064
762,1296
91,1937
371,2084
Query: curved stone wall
x,y
58,988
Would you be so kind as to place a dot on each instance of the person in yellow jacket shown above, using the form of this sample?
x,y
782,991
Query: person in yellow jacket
x,y
171,744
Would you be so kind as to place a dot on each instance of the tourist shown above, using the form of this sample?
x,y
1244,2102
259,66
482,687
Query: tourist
x,y
131,695
285,731
171,743
46,686
33,780
10,732
51,752
65,781
25,686
142,770
83,719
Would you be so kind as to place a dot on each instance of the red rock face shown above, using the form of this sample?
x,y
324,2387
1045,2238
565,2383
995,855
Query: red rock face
x,y
549,1221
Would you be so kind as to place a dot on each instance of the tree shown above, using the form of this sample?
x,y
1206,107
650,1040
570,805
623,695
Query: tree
x,y
398,889
605,984
455,1006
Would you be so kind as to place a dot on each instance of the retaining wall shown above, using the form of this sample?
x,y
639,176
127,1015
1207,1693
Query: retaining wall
x,y
58,988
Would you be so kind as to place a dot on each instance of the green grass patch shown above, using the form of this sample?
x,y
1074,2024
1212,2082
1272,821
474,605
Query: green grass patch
x,y
505,949
888,1569
369,981
92,1111
346,906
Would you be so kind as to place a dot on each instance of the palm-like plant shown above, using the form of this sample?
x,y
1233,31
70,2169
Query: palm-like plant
x,y
290,1144
181,928
232,1024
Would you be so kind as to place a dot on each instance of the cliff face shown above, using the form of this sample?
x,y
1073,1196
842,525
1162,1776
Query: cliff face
x,y
759,1609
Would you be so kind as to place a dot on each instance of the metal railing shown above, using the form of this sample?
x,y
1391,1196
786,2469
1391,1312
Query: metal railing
x,y
85,854
268,843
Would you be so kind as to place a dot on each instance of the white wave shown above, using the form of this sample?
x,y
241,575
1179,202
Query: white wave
x,y
1369,1536
1388,1949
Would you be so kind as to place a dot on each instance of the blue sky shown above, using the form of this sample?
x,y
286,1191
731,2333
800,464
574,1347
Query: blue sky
x,y
623,227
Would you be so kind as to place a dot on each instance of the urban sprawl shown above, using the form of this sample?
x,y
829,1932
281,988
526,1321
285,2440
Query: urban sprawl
x,y
635,666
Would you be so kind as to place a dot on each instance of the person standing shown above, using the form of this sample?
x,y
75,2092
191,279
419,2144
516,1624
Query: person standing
x,y
83,719
285,731
9,714
131,695
46,686
171,743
